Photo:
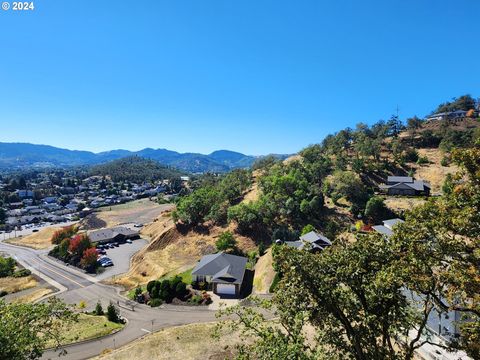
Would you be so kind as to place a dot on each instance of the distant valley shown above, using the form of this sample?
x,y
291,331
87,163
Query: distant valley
x,y
23,155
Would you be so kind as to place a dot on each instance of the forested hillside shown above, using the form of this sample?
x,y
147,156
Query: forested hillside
x,y
135,169
332,184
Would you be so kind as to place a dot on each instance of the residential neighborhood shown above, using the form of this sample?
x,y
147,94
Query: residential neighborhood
x,y
50,197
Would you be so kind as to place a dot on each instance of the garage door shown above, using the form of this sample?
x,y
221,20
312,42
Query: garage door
x,y
226,289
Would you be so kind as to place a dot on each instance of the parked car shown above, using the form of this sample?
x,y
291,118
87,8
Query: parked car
x,y
35,230
105,261
129,241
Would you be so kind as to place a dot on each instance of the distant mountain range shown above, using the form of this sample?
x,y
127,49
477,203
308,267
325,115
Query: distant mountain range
x,y
23,155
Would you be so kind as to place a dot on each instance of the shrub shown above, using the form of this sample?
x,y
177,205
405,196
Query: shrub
x,y
196,299
82,304
150,286
98,309
376,210
7,266
445,161
155,302
275,282
181,290
261,248
226,241
422,160
89,259
3,293
307,228
411,155
64,233
22,273
112,314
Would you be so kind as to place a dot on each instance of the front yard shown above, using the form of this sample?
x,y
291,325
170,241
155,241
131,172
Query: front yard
x,y
88,327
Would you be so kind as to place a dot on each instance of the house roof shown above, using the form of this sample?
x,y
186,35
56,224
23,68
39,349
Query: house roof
x,y
387,227
108,234
392,222
383,230
314,237
300,245
418,185
398,179
223,268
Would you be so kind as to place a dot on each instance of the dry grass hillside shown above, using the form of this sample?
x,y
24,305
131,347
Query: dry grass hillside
x,y
171,251
434,172
188,342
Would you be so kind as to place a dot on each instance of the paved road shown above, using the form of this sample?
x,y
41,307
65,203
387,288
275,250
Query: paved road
x,y
75,286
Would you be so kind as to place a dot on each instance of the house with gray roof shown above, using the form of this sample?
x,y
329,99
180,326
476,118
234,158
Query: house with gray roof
x,y
405,185
116,234
388,227
224,272
312,241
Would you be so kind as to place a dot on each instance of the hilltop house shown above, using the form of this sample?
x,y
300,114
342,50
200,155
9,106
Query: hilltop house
x,y
223,272
451,115
405,185
313,241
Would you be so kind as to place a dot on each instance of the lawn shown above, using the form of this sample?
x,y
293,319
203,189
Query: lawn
x,y
186,276
87,327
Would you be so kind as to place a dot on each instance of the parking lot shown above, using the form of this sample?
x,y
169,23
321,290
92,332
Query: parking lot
x,y
121,256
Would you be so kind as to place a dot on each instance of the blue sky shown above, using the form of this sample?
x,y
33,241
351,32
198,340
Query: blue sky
x,y
255,76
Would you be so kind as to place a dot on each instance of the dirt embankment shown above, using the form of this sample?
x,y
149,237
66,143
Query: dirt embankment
x,y
264,273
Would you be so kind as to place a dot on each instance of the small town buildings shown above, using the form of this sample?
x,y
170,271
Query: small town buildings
x,y
312,240
23,194
224,272
118,234
405,185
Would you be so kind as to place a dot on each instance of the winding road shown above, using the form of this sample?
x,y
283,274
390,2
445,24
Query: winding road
x,y
74,286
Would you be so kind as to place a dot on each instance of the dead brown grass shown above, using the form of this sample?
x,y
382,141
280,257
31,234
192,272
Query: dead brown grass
x,y
401,204
33,296
39,240
188,342
139,211
434,172
253,193
12,285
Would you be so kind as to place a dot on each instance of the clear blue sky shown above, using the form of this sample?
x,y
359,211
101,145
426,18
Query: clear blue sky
x,y
254,76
